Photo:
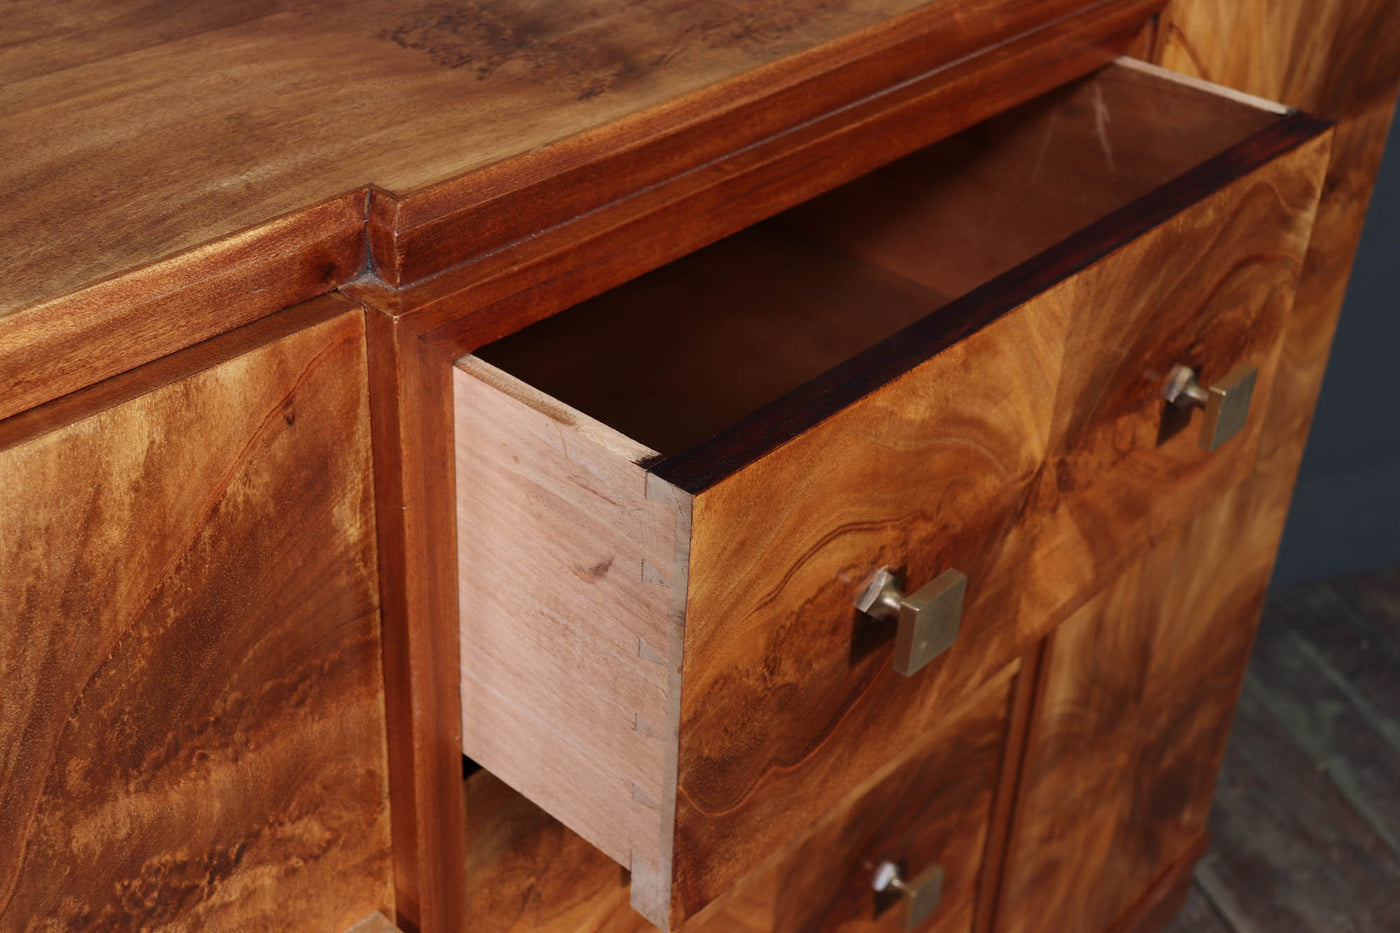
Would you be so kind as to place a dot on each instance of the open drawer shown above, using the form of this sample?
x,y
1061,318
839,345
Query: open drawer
x,y
674,498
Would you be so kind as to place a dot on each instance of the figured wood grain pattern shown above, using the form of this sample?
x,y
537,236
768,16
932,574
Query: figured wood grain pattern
x,y
963,460
568,573
1210,289
1140,687
928,473
1025,693
419,94
1164,897
1130,489
193,729
422,94
1342,60
933,807
448,131
78,338
769,428
1140,683
507,289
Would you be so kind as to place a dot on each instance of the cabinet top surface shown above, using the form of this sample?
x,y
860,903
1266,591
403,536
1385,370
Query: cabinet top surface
x,y
135,131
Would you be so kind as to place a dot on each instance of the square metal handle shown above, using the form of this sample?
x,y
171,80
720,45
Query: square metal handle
x,y
927,622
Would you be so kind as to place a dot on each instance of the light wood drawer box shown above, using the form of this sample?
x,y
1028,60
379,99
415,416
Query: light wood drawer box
x,y
670,496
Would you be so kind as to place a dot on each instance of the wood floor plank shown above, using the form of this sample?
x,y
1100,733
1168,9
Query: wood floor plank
x,y
1376,596
1289,852
1324,721
1198,915
1349,648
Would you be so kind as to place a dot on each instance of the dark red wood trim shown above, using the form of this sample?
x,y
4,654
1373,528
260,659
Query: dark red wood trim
x,y
412,433
1028,689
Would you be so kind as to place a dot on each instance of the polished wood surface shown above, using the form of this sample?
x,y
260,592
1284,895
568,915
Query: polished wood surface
x,y
77,339
960,213
527,872
632,152
735,307
773,309
933,807
193,729
1140,687
1211,289
302,101
772,636
411,435
163,164
1342,60
1048,462
535,277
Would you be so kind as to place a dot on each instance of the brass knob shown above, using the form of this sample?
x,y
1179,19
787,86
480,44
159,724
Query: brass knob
x,y
923,893
1226,402
927,622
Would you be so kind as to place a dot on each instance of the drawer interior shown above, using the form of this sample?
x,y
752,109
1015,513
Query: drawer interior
x,y
680,354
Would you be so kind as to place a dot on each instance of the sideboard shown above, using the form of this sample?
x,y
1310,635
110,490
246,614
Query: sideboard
x,y
605,466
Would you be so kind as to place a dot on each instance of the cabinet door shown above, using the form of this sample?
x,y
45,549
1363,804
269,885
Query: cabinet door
x,y
191,706
1137,694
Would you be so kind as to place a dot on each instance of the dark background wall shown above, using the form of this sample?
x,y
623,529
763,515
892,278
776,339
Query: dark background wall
x,y
1346,508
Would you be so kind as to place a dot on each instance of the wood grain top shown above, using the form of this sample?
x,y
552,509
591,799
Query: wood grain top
x,y
172,175
133,134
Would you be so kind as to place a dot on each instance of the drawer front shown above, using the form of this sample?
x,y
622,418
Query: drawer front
x,y
929,815
790,697
1208,291
667,652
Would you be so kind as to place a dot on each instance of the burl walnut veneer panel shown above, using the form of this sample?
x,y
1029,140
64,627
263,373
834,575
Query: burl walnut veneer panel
x,y
193,726
1139,691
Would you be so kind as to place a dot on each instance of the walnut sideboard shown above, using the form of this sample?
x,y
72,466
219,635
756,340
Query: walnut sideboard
x,y
605,466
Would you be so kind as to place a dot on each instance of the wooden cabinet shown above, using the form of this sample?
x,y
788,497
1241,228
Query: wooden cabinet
x,y
548,382
193,728
664,525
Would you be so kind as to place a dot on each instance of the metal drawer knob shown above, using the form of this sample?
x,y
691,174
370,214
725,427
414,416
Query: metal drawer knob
x,y
927,621
923,893
1226,403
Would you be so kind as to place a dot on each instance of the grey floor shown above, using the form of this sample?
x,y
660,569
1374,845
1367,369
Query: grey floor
x,y
1306,825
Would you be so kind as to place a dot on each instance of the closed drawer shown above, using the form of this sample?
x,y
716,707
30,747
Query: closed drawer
x,y
924,821
671,497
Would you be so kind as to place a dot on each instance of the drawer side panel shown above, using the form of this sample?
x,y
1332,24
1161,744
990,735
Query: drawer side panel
x,y
566,576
